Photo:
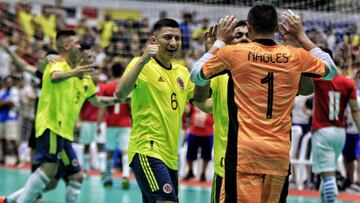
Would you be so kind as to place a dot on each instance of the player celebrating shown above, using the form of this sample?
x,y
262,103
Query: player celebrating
x,y
38,72
219,107
259,142
159,92
59,105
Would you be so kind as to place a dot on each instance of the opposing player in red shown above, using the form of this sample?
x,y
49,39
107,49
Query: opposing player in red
x,y
118,123
200,136
89,133
328,128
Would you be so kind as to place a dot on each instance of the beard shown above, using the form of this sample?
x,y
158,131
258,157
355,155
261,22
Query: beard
x,y
74,56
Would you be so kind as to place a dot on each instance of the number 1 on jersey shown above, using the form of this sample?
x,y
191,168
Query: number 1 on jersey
x,y
269,79
334,105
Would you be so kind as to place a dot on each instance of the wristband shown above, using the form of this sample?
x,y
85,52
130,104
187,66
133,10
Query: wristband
x,y
219,44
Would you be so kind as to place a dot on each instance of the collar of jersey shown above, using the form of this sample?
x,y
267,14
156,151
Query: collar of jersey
x,y
162,65
267,42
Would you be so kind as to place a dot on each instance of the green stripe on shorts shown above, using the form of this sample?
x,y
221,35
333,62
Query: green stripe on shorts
x,y
64,158
53,143
148,173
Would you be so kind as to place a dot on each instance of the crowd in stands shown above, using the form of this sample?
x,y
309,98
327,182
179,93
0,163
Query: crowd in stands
x,y
118,41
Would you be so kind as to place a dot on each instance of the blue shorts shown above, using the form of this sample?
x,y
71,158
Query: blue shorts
x,y
196,142
54,148
155,179
357,150
349,151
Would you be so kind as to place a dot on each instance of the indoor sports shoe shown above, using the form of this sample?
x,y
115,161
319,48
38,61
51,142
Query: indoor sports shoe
x,y
355,187
108,183
189,175
203,177
86,174
39,198
125,185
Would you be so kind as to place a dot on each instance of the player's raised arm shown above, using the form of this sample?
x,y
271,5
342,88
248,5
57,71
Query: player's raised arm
x,y
217,37
306,84
127,82
201,92
17,60
78,71
295,28
102,101
224,36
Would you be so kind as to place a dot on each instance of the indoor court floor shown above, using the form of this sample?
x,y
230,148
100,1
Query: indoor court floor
x,y
92,190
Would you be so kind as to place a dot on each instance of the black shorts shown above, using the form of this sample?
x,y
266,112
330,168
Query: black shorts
x,y
32,138
196,142
51,147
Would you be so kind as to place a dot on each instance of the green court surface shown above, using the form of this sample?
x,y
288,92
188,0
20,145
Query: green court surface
x,y
92,191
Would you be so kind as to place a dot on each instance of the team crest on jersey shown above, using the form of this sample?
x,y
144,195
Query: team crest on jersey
x,y
167,188
85,87
75,162
180,83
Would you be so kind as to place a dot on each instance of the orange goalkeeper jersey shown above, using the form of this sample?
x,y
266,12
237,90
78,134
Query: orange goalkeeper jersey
x,y
264,80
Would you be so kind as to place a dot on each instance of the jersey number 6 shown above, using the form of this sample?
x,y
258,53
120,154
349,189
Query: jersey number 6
x,y
174,102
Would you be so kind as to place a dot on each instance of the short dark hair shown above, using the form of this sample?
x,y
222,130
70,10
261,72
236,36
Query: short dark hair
x,y
241,23
165,22
65,33
117,70
51,52
327,50
85,46
263,19
61,35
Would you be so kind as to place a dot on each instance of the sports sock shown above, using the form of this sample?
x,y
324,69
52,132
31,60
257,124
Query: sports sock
x,y
102,161
330,189
125,166
86,162
108,167
72,191
35,184
14,196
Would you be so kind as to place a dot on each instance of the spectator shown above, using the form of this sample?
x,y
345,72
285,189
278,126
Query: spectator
x,y
9,118
5,63
199,137
26,19
47,23
186,30
330,38
7,19
106,28
352,36
163,14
